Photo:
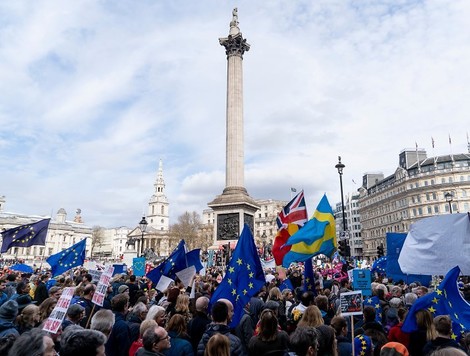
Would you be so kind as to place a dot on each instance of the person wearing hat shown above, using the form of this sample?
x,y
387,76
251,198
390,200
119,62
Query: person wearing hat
x,y
394,349
123,289
8,313
23,301
75,314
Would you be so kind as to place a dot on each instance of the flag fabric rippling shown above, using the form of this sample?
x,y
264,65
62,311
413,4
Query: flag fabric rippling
x,y
71,257
289,220
445,300
174,263
309,277
379,265
25,235
317,236
244,276
374,301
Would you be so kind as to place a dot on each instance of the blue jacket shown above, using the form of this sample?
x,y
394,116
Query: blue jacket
x,y
119,341
179,346
7,328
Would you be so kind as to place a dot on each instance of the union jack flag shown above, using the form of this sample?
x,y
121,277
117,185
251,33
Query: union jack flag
x,y
295,212
290,219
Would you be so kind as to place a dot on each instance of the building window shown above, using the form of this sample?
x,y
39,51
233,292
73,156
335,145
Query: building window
x,y
162,221
451,179
163,209
443,180
429,210
432,181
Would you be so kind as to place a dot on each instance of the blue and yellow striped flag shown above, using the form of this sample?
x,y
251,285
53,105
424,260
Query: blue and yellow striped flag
x,y
317,236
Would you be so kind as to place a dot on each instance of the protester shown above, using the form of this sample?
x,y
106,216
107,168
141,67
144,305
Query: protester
x,y
396,333
86,302
344,344
269,340
144,326
75,314
426,332
3,295
8,313
40,292
155,341
311,317
180,341
34,342
443,326
304,341
218,345
103,321
135,318
157,313
28,318
46,308
83,343
120,340
394,349
326,340
197,325
219,325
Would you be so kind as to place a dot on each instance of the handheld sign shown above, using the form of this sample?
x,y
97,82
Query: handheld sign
x,y
362,280
54,321
100,292
351,303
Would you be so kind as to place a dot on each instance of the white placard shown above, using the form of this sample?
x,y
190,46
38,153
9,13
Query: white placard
x,y
102,287
186,275
95,274
163,283
54,321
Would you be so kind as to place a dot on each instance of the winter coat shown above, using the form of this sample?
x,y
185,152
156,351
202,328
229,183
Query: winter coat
x,y
344,346
179,346
7,328
278,346
196,328
212,329
245,330
119,342
439,343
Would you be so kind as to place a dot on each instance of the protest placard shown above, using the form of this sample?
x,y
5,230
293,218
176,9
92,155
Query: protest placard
x,y
101,288
351,303
95,274
54,321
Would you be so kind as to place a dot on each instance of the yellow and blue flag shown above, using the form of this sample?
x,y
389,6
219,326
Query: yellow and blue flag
x,y
244,276
71,257
317,236
445,300
25,235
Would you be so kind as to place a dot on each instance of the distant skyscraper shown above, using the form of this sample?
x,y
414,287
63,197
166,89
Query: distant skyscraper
x,y
234,207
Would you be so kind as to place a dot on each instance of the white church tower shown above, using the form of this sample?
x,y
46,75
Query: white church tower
x,y
158,212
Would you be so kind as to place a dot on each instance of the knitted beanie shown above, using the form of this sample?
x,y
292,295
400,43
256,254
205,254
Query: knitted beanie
x,y
9,310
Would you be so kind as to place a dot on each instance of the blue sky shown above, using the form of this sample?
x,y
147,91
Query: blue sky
x,y
94,93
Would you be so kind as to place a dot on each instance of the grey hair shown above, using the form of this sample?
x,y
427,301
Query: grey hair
x,y
82,341
103,321
139,308
30,343
154,311
302,338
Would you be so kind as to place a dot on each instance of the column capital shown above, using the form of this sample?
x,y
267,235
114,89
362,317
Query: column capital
x,y
235,45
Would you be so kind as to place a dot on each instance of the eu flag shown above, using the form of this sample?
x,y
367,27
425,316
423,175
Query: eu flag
x,y
286,284
374,301
71,257
193,259
309,277
317,236
25,235
445,300
244,276
174,263
138,266
379,265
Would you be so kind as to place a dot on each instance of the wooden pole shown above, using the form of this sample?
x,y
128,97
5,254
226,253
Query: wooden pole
x,y
89,316
352,333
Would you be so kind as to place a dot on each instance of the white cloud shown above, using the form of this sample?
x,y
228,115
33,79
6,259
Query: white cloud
x,y
94,94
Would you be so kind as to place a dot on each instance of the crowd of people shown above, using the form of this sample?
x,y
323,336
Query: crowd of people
x,y
138,320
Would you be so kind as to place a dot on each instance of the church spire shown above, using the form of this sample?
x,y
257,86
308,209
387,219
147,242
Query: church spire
x,y
158,211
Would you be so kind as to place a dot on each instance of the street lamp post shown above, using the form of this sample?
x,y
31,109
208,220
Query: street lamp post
x,y
449,199
340,166
263,238
143,226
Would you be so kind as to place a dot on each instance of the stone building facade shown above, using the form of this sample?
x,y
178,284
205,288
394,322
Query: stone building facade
x,y
61,234
420,187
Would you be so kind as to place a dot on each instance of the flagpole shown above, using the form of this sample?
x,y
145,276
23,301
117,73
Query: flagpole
x,y
352,333
42,257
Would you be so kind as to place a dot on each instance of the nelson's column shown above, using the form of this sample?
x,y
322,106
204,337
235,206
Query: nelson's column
x,y
234,207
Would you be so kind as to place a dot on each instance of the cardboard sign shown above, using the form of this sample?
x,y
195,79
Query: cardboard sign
x,y
362,280
54,321
95,274
102,287
351,303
